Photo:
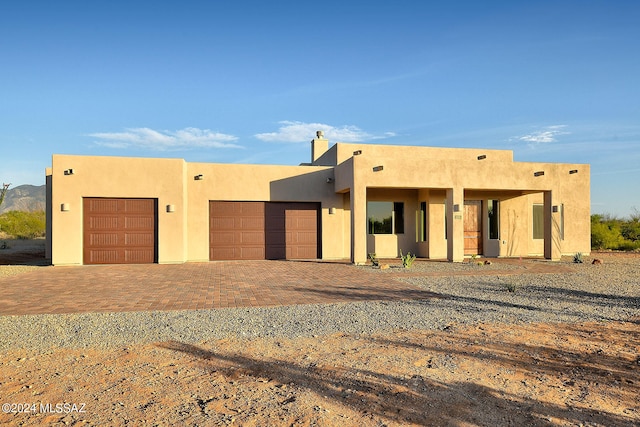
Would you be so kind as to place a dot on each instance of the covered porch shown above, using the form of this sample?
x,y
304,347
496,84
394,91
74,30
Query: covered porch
x,y
454,223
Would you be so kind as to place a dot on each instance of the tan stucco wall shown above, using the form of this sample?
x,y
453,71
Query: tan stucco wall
x,y
340,152
460,174
261,183
441,177
390,245
93,176
183,235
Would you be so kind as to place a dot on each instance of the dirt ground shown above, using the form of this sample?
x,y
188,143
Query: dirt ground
x,y
584,374
21,251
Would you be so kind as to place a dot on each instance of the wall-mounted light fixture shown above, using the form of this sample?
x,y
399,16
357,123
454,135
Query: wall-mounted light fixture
x,y
332,211
482,157
65,207
68,171
554,208
171,208
539,173
198,177
456,208
329,180
378,168
357,152
572,171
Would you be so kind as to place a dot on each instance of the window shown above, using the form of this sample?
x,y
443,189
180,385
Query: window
x,y
562,221
422,223
446,222
538,221
494,224
398,223
385,217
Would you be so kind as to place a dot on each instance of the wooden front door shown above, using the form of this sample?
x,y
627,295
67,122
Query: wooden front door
x,y
472,227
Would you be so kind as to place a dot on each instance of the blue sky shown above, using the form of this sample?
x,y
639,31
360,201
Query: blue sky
x,y
251,81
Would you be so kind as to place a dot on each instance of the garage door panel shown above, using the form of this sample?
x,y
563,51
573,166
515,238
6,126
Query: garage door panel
x,y
222,237
226,223
252,238
119,231
137,205
102,206
303,238
138,256
223,209
259,230
251,209
138,239
250,223
139,223
103,239
297,252
103,222
100,256
222,253
252,253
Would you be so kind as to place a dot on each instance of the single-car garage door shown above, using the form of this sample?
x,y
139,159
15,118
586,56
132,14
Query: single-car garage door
x,y
264,230
120,231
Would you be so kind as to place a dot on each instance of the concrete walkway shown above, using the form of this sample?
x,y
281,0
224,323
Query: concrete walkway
x,y
191,286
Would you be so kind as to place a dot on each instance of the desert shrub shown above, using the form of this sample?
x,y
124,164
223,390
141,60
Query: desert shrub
x,y
603,236
630,230
407,260
374,259
23,225
615,234
510,287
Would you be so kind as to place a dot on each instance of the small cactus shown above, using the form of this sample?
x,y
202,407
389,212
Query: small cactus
x,y
407,260
374,259
577,258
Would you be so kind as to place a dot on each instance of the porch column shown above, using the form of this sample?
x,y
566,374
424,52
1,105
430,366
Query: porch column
x,y
455,224
358,224
551,230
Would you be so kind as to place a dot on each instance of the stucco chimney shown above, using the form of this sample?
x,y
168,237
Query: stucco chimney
x,y
319,146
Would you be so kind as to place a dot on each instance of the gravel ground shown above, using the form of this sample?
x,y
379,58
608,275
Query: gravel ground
x,y
608,292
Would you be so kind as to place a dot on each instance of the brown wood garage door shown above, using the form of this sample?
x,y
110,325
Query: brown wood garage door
x,y
264,230
236,230
120,231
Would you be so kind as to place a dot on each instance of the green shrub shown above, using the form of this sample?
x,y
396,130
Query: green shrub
x,y
615,234
407,260
510,287
23,225
374,259
630,230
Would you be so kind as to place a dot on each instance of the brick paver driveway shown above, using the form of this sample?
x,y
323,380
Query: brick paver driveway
x,y
192,286
116,288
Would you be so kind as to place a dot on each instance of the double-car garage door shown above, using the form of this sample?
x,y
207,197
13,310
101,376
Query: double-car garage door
x,y
263,230
124,231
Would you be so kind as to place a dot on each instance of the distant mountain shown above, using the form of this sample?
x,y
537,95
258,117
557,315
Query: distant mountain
x,y
25,198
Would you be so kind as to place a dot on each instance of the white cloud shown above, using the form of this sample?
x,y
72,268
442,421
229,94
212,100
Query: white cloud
x,y
291,131
165,140
545,135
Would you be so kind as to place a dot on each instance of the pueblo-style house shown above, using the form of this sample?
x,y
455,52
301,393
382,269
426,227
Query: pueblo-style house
x,y
348,201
